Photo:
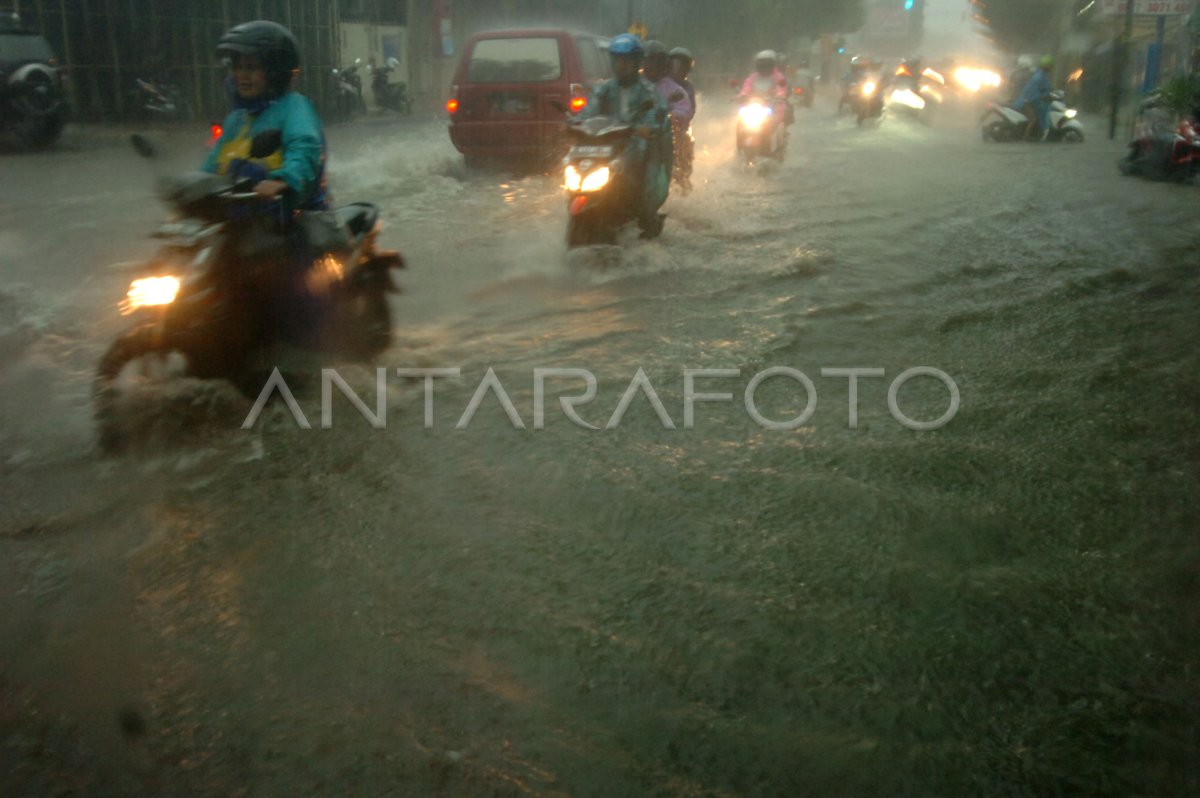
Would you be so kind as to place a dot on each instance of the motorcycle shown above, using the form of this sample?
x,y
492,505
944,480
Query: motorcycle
x,y
1004,123
761,130
916,96
219,293
1162,148
393,96
348,91
603,188
869,104
161,99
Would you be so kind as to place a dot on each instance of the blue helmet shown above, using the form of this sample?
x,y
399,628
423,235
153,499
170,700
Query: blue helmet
x,y
625,44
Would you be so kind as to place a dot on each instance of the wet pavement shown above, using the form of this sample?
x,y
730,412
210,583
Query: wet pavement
x,y
1004,604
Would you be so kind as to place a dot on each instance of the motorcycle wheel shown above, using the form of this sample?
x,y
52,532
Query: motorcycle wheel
x,y
994,132
39,132
584,232
370,331
1072,137
136,344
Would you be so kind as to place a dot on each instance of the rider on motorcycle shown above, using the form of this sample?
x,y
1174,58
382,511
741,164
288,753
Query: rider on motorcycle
x,y
681,64
630,99
1034,100
263,61
769,83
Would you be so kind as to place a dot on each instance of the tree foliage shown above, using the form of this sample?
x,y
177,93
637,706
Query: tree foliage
x,y
1023,25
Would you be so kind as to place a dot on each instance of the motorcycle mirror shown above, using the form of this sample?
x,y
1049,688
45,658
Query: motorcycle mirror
x,y
266,143
142,145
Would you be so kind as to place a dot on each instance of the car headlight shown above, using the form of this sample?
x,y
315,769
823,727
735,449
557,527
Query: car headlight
x,y
150,292
754,116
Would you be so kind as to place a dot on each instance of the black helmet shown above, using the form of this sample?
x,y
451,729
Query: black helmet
x,y
654,49
684,55
273,44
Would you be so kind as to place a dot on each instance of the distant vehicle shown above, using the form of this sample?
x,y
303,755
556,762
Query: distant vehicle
x,y
348,91
1164,146
512,90
1003,123
32,100
160,98
389,95
761,132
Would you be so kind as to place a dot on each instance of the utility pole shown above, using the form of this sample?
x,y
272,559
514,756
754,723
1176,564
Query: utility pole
x,y
1120,58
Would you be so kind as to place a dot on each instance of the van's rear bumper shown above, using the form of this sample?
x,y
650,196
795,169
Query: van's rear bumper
x,y
507,139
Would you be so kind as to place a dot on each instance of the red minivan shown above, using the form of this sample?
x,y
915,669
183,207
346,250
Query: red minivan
x,y
510,86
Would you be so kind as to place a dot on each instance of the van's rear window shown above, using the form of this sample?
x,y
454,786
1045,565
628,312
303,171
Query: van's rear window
x,y
515,61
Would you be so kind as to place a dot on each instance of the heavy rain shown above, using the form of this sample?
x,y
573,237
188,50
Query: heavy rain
x,y
872,472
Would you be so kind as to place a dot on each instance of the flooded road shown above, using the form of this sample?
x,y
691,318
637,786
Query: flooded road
x,y
1004,604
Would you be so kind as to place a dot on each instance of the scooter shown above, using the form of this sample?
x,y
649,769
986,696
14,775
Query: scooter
x,y
222,292
1004,123
1162,147
870,101
348,91
393,96
761,129
603,189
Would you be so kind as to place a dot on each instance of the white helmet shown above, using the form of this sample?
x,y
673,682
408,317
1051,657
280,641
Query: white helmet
x,y
393,62
767,55
1025,61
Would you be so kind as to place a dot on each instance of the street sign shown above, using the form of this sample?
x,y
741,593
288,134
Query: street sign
x,y
1162,8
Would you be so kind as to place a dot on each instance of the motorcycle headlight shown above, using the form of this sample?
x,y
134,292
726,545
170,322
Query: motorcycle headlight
x,y
1070,113
868,88
754,116
150,292
597,179
572,179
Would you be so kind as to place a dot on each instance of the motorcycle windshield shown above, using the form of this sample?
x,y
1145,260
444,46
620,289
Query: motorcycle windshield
x,y
599,127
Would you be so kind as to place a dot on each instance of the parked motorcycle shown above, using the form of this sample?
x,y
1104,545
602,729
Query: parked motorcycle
x,y
1004,123
224,289
32,100
348,91
393,96
161,99
1163,146
761,130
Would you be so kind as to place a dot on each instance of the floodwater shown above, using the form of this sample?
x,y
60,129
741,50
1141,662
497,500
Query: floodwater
x,y
475,606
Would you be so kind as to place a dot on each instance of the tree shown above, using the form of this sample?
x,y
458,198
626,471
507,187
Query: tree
x,y
1023,25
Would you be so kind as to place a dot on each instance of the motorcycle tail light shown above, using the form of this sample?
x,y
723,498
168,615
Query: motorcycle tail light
x,y
451,106
578,104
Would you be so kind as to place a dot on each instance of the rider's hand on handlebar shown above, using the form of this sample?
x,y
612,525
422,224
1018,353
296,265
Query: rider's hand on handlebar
x,y
270,189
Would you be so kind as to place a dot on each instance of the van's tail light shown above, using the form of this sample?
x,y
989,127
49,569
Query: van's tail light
x,y
452,103
579,99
